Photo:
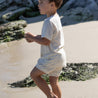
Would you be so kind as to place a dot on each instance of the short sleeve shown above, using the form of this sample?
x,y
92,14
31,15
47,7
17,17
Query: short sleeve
x,y
47,30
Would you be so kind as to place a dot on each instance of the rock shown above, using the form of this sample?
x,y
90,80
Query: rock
x,y
68,5
31,14
2,20
92,5
76,15
16,25
22,17
96,1
80,14
81,3
35,2
87,15
8,36
27,3
12,31
8,2
14,15
64,1
3,5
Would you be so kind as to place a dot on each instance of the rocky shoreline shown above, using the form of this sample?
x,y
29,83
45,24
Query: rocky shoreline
x,y
73,71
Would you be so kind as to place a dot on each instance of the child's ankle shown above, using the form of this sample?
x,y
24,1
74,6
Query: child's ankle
x,y
52,95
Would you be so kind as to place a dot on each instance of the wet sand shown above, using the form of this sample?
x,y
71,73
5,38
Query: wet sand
x,y
17,59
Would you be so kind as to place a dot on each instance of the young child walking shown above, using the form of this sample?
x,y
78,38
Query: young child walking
x,y
52,53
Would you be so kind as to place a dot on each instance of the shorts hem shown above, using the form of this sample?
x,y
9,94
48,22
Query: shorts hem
x,y
57,74
41,70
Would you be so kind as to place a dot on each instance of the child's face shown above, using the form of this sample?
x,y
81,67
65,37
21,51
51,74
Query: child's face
x,y
45,7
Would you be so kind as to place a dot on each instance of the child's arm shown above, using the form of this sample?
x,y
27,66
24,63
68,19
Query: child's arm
x,y
38,39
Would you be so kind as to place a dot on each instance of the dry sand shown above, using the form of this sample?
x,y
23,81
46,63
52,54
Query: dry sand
x,y
81,41
19,57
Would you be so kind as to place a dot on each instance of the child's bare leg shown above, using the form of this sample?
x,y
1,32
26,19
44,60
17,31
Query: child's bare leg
x,y
41,83
55,86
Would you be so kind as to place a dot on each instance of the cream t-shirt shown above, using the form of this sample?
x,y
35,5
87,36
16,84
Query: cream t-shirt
x,y
52,30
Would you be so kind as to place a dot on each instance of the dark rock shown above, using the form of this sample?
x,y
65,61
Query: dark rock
x,y
2,20
14,15
91,5
27,3
76,15
31,14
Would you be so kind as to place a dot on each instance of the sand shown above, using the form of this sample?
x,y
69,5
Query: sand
x,y
19,57
70,89
80,40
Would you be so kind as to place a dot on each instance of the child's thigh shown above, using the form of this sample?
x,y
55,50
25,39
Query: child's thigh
x,y
36,72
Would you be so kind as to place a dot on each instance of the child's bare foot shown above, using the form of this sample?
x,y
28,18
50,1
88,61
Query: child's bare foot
x,y
52,96
55,96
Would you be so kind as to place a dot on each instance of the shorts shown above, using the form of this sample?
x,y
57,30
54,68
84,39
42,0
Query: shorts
x,y
51,64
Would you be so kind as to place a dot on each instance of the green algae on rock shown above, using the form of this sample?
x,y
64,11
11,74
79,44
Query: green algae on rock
x,y
12,31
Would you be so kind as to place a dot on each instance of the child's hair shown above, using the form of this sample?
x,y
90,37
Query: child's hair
x,y
58,3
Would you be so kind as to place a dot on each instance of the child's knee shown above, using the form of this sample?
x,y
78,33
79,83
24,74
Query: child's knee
x,y
53,81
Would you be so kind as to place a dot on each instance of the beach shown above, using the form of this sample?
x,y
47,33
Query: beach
x,y
18,58
70,89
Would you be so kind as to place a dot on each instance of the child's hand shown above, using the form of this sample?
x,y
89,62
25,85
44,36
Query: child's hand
x,y
29,37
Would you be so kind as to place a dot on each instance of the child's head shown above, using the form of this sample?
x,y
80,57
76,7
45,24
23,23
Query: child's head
x,y
57,2
49,6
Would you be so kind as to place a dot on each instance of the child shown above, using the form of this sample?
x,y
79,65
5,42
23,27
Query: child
x,y
52,53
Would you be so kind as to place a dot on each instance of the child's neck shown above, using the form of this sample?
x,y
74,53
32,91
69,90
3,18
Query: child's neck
x,y
51,14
